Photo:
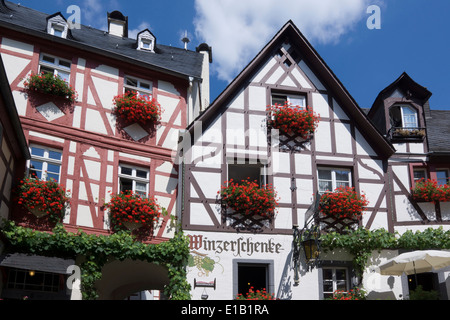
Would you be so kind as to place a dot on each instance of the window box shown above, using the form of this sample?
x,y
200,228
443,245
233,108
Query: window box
x,y
134,108
129,210
249,199
341,209
52,84
397,133
430,191
293,120
43,198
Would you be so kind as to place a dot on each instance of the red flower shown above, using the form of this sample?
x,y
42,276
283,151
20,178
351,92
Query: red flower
x,y
47,196
50,84
344,202
131,207
133,108
429,191
249,199
293,120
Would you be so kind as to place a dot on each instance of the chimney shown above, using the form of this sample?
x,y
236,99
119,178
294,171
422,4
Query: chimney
x,y
117,24
205,86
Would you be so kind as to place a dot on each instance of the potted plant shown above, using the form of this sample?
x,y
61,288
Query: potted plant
x,y
429,191
343,203
134,108
249,199
47,83
128,210
43,198
293,120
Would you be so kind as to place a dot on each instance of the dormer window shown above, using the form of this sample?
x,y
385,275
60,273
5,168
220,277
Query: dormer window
x,y
57,26
146,41
405,123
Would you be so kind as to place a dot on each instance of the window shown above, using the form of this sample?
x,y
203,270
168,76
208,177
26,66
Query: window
x,y
332,178
334,279
252,276
57,30
294,100
420,174
404,117
146,41
45,163
57,26
134,179
442,176
55,66
247,171
142,87
33,280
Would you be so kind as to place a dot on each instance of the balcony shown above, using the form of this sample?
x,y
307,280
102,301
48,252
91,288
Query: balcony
x,y
406,134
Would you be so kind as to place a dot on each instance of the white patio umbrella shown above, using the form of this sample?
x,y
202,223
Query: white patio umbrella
x,y
416,262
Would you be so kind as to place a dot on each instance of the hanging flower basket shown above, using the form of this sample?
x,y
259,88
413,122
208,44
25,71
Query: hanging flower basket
x,y
249,199
43,198
48,83
134,108
293,120
429,191
128,210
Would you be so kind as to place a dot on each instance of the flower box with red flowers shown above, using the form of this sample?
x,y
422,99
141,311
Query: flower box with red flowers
x,y
253,294
128,210
48,83
428,190
134,108
43,198
293,120
343,203
249,199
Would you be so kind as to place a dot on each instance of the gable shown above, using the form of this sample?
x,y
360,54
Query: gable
x,y
288,63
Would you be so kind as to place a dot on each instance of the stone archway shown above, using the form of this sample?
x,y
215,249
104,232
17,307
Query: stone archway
x,y
120,279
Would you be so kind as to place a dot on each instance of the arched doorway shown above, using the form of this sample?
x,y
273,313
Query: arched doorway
x,y
120,279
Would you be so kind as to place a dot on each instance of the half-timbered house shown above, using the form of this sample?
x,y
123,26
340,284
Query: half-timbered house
x,y
83,144
232,251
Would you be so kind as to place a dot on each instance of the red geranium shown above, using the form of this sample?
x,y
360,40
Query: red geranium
x,y
430,191
131,207
133,108
50,84
249,199
47,197
344,202
253,294
293,120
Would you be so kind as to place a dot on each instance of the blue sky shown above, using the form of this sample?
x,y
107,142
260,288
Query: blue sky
x,y
414,35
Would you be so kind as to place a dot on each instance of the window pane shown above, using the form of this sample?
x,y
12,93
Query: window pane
x,y
48,59
327,274
325,186
54,155
126,170
342,175
442,177
141,174
64,63
144,85
325,174
126,185
297,101
278,99
53,168
64,75
420,174
37,151
52,176
47,70
239,172
131,82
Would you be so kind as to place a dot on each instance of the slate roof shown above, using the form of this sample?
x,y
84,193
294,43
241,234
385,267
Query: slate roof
x,y
438,128
176,61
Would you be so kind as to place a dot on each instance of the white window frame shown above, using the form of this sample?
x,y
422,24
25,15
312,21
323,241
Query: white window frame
x,y
334,280
134,178
57,67
142,91
333,180
420,170
45,160
58,23
263,169
416,120
291,99
146,38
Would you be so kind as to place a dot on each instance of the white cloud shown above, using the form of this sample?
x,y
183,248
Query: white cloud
x,y
238,29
